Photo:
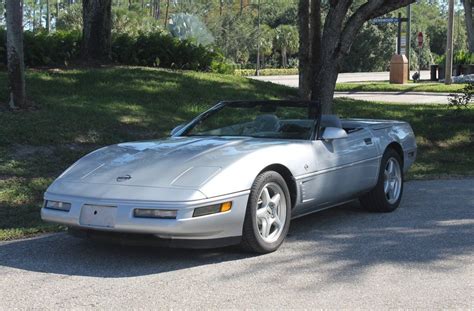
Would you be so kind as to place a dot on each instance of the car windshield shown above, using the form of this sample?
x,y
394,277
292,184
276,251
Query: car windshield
x,y
286,120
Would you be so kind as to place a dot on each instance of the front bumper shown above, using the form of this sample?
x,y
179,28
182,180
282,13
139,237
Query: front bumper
x,y
142,239
185,227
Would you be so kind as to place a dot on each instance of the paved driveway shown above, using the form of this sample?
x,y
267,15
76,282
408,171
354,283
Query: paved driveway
x,y
421,256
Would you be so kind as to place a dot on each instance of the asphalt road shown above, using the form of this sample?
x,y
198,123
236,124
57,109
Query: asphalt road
x,y
389,97
292,80
420,256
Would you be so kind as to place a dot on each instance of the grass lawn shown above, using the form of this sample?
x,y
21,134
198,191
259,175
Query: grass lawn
x,y
81,110
409,87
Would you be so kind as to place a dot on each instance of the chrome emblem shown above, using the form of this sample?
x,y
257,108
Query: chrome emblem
x,y
123,178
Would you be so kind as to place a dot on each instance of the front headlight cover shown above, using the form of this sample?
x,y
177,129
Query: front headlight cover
x,y
57,205
212,209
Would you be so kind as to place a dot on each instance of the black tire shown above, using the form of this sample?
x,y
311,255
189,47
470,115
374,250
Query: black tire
x,y
376,200
251,238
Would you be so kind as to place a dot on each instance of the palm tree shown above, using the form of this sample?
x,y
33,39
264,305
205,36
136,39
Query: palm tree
x,y
286,40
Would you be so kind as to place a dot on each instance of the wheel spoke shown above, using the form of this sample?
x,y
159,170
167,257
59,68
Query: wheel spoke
x,y
265,227
276,199
390,168
393,190
262,212
265,196
277,222
386,186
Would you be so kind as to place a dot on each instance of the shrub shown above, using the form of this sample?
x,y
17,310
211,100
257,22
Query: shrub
x,y
56,48
154,49
159,49
462,100
41,48
463,58
460,58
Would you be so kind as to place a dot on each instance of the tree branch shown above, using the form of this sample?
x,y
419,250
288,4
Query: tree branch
x,y
371,9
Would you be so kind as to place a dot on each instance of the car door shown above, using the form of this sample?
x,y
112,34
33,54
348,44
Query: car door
x,y
342,168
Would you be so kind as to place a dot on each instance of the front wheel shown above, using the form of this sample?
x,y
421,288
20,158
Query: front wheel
x,y
267,219
387,194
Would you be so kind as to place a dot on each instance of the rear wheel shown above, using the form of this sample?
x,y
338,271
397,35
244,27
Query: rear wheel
x,y
387,194
268,214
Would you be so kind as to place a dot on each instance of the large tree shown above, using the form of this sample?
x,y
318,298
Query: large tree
x,y
323,47
15,58
469,26
97,29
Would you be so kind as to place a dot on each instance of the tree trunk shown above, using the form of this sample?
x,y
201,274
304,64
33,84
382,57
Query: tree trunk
x,y
304,50
167,12
57,12
96,31
469,25
15,58
40,14
339,31
34,15
156,9
325,84
283,57
48,17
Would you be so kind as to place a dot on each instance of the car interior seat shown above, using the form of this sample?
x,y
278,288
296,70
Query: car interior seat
x,y
267,123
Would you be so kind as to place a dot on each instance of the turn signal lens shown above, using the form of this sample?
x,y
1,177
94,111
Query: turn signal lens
x,y
60,206
226,206
155,213
212,209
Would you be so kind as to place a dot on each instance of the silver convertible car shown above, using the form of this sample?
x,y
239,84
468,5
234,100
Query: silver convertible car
x,y
236,174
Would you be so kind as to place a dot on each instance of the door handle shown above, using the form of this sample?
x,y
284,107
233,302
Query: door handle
x,y
368,141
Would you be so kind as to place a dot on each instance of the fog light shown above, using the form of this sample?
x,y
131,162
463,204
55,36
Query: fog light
x,y
60,206
155,213
212,209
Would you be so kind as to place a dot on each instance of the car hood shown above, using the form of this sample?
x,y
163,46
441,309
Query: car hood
x,y
182,162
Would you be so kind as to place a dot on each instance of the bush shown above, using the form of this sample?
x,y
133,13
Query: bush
x,y
460,58
161,50
155,49
462,100
56,48
463,58
43,49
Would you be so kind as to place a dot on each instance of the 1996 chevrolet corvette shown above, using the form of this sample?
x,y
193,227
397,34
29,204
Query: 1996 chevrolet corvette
x,y
236,174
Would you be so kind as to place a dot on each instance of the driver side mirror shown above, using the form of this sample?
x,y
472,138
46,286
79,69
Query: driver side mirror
x,y
176,129
331,133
